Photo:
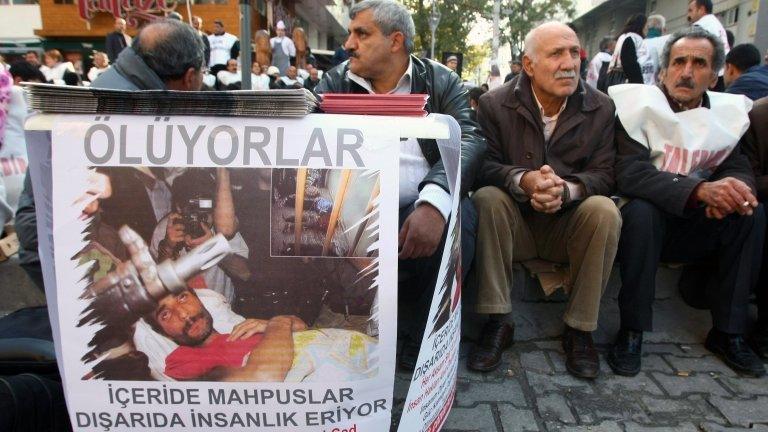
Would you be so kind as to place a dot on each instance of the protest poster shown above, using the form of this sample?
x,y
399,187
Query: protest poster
x,y
225,274
433,383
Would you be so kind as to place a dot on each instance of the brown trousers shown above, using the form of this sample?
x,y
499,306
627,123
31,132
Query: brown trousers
x,y
586,236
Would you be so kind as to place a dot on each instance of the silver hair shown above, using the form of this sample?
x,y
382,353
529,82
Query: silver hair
x,y
656,22
390,17
173,49
718,55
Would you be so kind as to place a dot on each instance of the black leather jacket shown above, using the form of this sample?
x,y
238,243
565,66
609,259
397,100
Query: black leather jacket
x,y
446,96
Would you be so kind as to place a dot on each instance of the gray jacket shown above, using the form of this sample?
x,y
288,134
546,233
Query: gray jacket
x,y
129,73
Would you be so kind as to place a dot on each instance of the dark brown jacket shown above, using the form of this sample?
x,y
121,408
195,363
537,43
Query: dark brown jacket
x,y
637,177
581,148
756,146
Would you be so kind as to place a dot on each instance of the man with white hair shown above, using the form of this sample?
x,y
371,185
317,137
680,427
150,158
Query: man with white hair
x,y
655,38
282,49
547,176
117,41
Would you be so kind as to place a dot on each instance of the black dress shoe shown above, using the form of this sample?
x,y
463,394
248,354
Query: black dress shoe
x,y
581,358
758,340
409,355
625,355
734,351
496,337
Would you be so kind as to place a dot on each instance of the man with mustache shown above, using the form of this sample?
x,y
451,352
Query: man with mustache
x,y
692,197
204,353
380,42
548,174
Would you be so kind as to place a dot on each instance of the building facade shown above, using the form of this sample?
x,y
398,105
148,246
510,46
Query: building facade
x,y
747,19
78,27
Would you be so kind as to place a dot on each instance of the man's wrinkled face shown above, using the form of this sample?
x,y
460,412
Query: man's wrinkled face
x,y
554,67
232,65
184,319
690,72
695,12
369,49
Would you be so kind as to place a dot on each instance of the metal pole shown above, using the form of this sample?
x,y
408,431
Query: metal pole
x,y
245,44
432,45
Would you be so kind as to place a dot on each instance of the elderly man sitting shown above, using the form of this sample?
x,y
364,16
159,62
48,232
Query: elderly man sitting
x,y
548,172
692,196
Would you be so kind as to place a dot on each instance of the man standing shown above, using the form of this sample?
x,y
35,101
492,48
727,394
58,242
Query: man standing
x,y
282,49
380,41
117,41
655,38
700,15
756,149
548,172
599,64
692,196
744,74
224,46
515,66
197,24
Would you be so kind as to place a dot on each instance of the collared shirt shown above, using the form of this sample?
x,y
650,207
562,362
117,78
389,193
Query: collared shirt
x,y
413,165
549,122
575,189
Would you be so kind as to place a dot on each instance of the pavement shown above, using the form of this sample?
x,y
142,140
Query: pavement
x,y
682,387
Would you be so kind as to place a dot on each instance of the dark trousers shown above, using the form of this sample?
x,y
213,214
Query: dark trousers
x,y
650,235
417,277
761,289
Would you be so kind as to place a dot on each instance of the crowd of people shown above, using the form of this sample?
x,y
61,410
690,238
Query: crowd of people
x,y
552,168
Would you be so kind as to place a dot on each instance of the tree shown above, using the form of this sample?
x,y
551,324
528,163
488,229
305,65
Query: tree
x,y
457,19
524,15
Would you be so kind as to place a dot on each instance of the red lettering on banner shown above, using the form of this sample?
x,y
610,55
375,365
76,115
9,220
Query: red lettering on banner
x,y
124,8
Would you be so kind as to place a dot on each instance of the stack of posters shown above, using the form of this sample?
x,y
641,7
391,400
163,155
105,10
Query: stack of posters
x,y
50,98
411,105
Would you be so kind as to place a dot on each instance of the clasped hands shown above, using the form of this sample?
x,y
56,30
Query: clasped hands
x,y
544,188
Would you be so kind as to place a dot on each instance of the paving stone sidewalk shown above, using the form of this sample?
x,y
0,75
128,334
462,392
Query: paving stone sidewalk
x,y
682,386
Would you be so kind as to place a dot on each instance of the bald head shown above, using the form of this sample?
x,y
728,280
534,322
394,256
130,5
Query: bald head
x,y
170,48
545,33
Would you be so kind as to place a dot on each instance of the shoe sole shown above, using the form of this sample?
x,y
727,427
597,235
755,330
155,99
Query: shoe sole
x,y
736,368
495,366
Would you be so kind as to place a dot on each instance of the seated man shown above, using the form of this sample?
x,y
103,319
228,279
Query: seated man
x,y
229,76
692,196
548,171
194,335
756,150
380,46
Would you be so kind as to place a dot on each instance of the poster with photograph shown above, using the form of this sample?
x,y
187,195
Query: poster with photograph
x,y
224,274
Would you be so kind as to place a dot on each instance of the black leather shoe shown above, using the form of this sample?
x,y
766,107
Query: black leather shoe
x,y
409,355
496,337
625,355
758,340
581,358
734,351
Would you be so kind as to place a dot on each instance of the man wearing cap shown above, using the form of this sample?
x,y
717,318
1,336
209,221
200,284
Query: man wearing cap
x,y
224,46
452,62
282,49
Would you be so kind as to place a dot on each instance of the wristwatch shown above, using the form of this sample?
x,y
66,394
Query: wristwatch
x,y
566,196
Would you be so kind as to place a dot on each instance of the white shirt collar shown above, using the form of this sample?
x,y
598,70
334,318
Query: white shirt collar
x,y
403,85
541,107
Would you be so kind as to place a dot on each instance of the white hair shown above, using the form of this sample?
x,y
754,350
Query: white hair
x,y
657,22
530,44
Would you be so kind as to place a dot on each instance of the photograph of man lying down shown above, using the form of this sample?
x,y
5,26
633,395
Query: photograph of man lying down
x,y
222,274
